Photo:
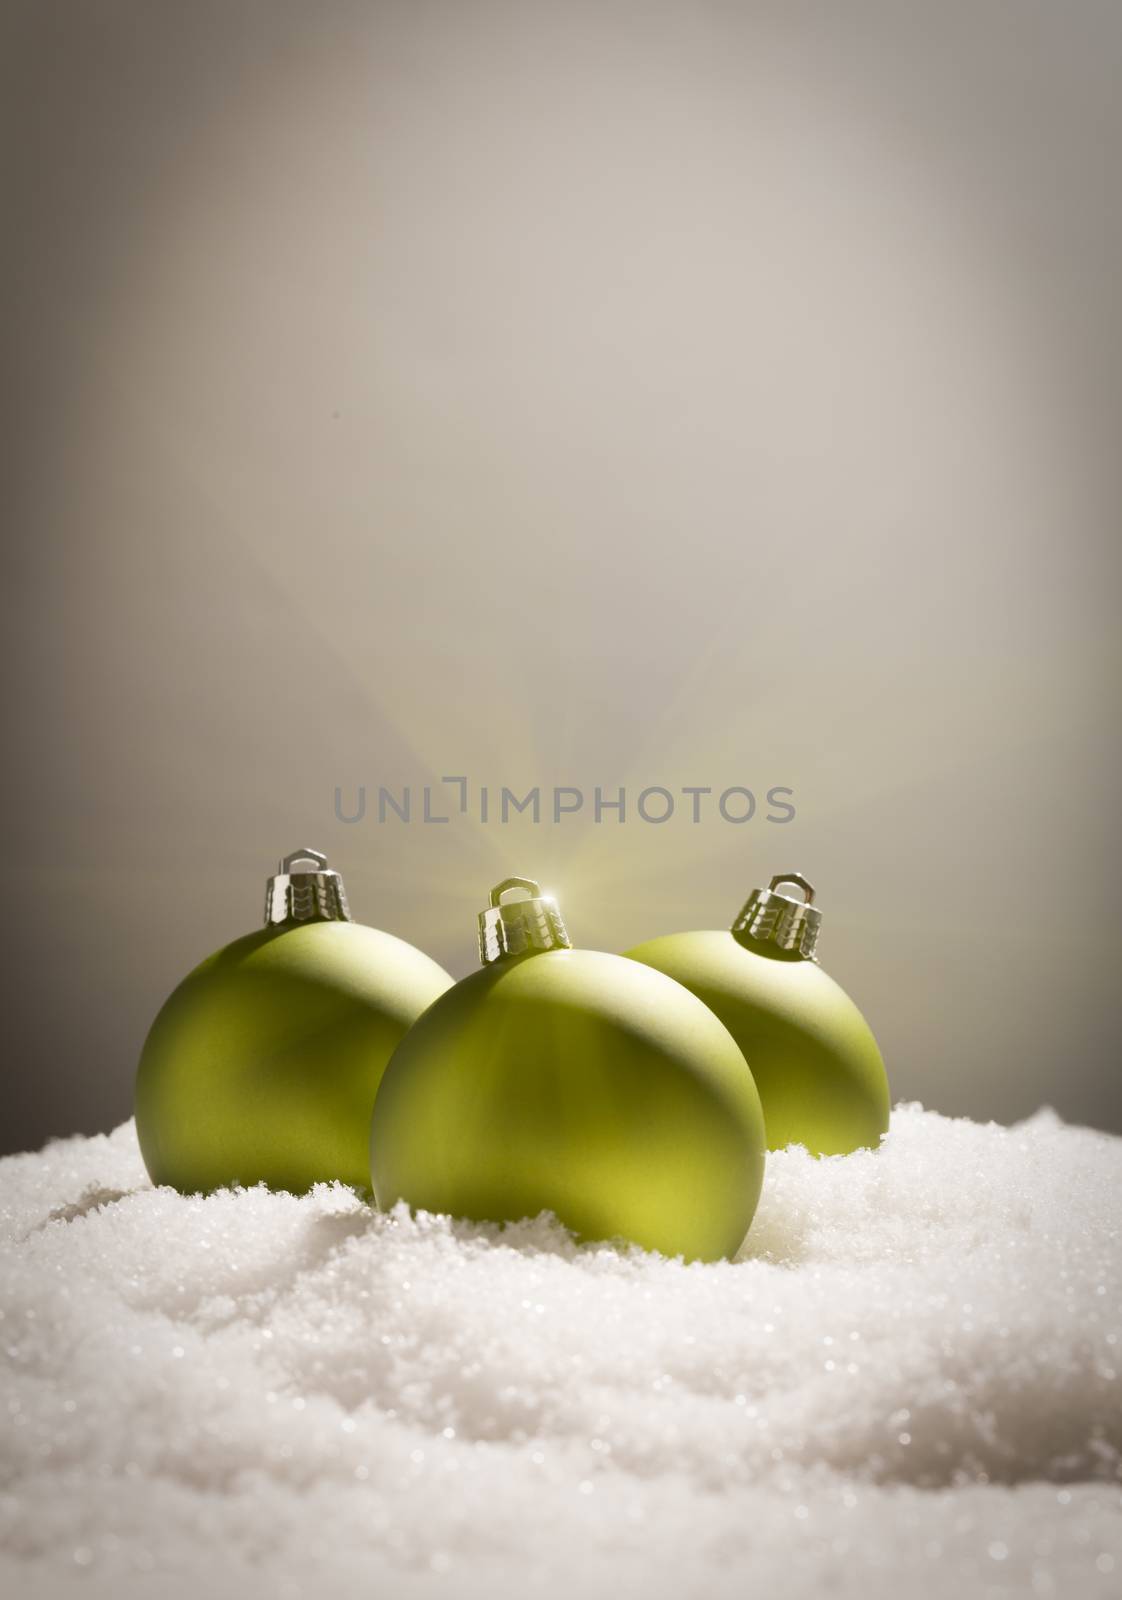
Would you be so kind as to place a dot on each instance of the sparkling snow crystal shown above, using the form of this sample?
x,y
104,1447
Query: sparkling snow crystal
x,y
907,1386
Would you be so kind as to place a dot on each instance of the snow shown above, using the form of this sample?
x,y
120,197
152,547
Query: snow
x,y
907,1385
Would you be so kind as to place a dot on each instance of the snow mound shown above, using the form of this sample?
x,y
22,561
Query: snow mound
x,y
907,1385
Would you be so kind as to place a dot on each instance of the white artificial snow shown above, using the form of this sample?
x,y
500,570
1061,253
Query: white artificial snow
x,y
907,1386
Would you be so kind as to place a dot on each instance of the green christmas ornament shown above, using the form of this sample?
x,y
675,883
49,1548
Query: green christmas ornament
x,y
263,1065
575,1082
815,1061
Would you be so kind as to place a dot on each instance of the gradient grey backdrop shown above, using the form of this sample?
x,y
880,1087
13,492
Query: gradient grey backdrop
x,y
643,393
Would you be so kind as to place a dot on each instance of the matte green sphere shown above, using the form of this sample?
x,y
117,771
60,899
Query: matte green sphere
x,y
263,1065
816,1064
579,1083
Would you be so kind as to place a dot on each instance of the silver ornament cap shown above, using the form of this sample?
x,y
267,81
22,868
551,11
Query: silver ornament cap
x,y
305,889
517,927
771,917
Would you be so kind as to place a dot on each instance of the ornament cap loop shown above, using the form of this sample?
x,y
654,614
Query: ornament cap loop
x,y
771,917
532,888
798,880
305,889
527,925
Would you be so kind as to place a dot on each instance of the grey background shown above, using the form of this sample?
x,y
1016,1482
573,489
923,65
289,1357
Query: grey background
x,y
662,393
